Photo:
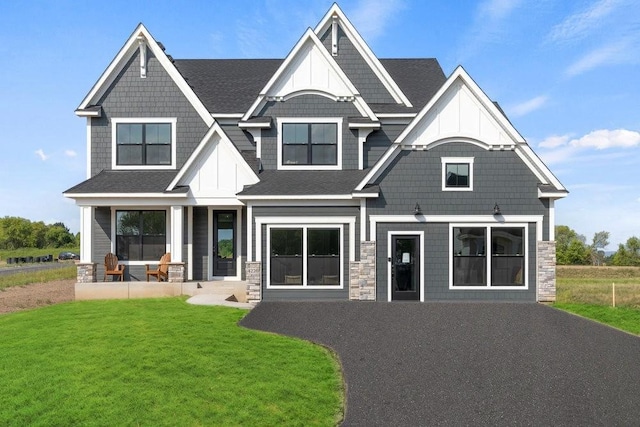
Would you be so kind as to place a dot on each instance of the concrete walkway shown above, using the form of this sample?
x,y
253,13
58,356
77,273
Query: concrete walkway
x,y
408,364
212,299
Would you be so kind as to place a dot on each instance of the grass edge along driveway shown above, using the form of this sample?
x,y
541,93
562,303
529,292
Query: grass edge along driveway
x,y
159,362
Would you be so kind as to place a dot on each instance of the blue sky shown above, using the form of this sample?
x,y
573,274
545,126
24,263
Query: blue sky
x,y
567,73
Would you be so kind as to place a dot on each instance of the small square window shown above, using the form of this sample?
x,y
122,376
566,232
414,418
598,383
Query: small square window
x,y
457,174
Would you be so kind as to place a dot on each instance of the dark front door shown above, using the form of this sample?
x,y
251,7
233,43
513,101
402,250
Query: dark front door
x,y
405,267
224,243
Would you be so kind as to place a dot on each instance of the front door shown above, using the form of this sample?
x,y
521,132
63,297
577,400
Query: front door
x,y
405,267
224,243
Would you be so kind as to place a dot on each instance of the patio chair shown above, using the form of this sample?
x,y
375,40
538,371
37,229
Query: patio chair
x,y
162,272
112,267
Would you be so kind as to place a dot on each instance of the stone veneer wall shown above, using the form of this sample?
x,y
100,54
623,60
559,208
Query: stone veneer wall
x,y
176,272
362,274
546,271
253,271
87,272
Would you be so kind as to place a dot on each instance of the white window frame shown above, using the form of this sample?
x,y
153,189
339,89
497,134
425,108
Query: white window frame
x,y
143,120
489,255
310,120
448,160
305,228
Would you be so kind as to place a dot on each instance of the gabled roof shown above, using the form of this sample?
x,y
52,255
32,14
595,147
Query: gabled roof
x,y
317,73
336,13
505,136
141,35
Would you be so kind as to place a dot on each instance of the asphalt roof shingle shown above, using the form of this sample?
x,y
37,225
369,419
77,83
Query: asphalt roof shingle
x,y
125,181
305,183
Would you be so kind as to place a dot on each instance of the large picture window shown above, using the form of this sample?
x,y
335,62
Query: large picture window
x,y
503,266
143,143
305,256
141,235
309,143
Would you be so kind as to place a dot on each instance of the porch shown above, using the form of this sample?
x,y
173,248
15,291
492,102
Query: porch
x,y
234,291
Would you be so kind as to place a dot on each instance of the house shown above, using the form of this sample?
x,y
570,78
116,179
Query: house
x,y
331,174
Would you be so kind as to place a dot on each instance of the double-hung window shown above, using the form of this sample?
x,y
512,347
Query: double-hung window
x,y
309,144
457,173
141,235
143,143
488,256
308,256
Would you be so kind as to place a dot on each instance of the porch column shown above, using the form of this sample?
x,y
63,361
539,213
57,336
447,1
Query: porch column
x,y
86,238
177,238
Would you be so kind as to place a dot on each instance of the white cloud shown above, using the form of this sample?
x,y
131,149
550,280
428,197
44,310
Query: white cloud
x,y
70,153
40,153
372,17
580,24
554,141
526,107
604,138
497,10
613,53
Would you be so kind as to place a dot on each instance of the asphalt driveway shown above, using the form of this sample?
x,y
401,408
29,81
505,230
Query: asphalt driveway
x,y
417,364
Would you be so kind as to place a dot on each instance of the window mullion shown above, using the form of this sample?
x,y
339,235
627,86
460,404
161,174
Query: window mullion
x,y
489,253
305,253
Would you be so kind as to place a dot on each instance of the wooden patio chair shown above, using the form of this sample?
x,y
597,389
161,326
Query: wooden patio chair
x,y
162,272
112,267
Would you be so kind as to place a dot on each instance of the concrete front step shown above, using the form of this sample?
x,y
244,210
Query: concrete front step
x,y
126,290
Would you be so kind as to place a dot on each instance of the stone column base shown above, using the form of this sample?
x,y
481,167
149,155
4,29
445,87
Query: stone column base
x,y
176,272
546,274
253,271
362,274
87,272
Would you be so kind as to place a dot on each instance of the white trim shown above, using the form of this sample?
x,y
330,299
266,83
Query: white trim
x,y
298,202
88,113
305,228
237,237
89,151
551,195
249,233
489,256
121,59
256,133
363,133
227,115
143,56
190,242
310,36
310,120
463,160
194,157
550,177
86,234
471,219
299,197
552,220
176,240
364,50
363,220
397,115
143,120
420,234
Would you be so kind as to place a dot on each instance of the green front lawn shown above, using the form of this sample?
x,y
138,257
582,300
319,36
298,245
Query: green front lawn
x,y
624,318
159,362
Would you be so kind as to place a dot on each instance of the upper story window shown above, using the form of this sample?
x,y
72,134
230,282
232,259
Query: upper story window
x,y
457,174
144,143
309,143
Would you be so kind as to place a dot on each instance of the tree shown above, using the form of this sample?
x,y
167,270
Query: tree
x,y
599,242
570,247
628,254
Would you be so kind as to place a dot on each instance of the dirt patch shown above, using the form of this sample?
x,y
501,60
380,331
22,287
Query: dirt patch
x,y
36,295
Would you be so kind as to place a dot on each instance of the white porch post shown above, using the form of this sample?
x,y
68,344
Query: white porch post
x,y
177,237
86,238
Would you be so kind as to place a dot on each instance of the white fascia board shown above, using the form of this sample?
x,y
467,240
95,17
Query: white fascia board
x,y
116,65
304,203
224,139
492,110
375,125
226,115
551,196
124,195
380,166
88,113
249,125
539,164
310,36
305,197
365,195
397,115
364,50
